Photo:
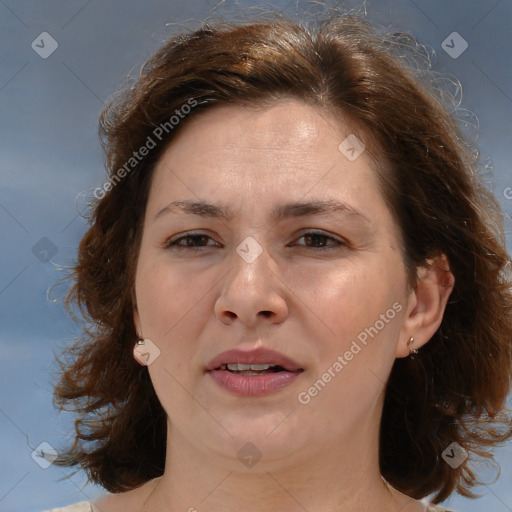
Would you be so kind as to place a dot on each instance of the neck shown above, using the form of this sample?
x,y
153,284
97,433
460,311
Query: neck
x,y
343,477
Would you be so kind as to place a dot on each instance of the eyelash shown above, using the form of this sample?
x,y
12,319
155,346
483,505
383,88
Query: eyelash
x,y
174,243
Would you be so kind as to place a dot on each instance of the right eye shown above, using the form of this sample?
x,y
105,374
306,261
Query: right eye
x,y
192,241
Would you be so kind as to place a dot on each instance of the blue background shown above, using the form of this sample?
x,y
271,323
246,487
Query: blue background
x,y
50,161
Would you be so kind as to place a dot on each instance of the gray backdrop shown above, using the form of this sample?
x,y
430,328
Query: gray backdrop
x,y
60,61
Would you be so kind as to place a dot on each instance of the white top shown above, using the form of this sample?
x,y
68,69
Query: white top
x,y
83,506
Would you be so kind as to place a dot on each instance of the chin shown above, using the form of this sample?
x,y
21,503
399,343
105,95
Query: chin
x,y
269,437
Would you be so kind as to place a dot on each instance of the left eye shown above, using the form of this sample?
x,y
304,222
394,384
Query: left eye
x,y
319,240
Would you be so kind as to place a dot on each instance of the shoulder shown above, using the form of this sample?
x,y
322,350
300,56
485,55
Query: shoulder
x,y
436,508
83,506
127,501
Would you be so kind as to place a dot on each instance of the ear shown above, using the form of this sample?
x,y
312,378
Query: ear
x,y
136,321
426,304
136,316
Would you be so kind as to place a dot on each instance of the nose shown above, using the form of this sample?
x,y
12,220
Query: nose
x,y
252,293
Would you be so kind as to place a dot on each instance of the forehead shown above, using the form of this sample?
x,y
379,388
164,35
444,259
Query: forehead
x,y
287,150
283,126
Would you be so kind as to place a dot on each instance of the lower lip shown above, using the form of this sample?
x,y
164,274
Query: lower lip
x,y
253,385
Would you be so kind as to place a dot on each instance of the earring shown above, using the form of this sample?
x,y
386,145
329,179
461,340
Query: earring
x,y
145,352
414,351
139,352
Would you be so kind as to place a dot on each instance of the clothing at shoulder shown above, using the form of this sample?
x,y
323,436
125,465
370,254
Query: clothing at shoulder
x,y
83,506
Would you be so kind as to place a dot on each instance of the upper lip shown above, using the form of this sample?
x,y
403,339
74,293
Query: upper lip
x,y
260,355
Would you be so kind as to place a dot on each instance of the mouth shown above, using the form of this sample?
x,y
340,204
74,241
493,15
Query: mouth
x,y
253,372
252,369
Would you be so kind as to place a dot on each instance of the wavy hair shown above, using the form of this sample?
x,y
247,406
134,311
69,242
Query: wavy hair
x,y
455,392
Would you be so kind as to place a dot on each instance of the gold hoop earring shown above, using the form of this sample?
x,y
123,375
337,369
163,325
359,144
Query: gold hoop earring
x,y
138,353
145,352
414,351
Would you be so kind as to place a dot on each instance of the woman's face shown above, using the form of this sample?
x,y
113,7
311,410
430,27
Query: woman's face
x,y
261,233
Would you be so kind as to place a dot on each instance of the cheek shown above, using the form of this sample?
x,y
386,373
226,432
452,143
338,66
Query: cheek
x,y
172,308
350,298
360,318
168,298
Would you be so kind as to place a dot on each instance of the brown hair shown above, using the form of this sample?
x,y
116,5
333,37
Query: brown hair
x,y
454,392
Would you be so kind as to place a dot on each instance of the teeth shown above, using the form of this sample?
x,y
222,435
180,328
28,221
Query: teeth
x,y
243,367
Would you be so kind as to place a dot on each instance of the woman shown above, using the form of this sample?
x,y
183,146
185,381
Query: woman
x,y
298,292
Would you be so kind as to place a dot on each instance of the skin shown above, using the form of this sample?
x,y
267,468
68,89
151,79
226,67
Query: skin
x,y
307,302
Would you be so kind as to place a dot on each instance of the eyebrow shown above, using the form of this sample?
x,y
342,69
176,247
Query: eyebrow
x,y
288,210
